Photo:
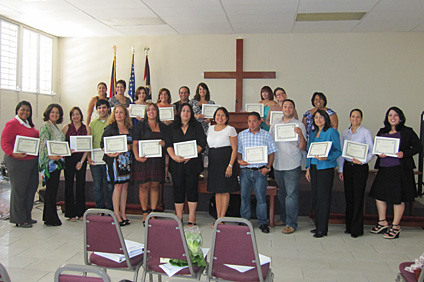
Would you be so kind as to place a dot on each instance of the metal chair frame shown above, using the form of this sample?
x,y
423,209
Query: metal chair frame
x,y
81,268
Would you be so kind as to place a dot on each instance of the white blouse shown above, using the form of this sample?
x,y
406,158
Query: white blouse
x,y
217,139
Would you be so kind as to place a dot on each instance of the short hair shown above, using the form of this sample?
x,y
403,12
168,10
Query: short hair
x,y
227,115
177,121
127,121
321,95
157,111
291,101
47,111
402,119
28,104
279,88
102,83
268,90
256,114
138,90
102,102
121,81
208,93
186,87
167,92
324,114
72,111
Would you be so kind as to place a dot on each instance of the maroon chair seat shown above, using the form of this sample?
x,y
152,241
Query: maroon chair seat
x,y
406,276
224,272
80,274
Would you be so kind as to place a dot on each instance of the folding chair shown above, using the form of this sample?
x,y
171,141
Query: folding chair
x,y
165,238
102,233
4,276
405,276
81,276
236,244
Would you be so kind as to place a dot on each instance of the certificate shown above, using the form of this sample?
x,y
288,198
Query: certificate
x,y
256,155
285,132
97,156
26,145
137,110
81,143
58,148
115,144
166,113
255,107
319,149
355,150
187,149
386,145
149,148
208,110
275,115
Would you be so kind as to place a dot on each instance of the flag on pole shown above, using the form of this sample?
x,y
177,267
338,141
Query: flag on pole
x,y
146,80
131,84
113,76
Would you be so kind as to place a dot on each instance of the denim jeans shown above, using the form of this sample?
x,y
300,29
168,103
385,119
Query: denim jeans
x,y
253,179
99,177
288,195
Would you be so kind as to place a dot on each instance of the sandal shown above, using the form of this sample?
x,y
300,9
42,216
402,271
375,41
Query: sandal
x,y
191,224
73,219
393,233
143,212
379,228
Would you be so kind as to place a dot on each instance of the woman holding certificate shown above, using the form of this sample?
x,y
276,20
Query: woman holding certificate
x,y
140,97
319,102
51,165
320,168
101,95
149,169
267,98
280,95
75,167
118,165
222,142
203,96
395,181
184,143
164,101
22,167
119,97
353,171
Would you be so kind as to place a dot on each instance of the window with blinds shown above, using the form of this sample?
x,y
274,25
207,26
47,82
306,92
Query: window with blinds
x,y
8,55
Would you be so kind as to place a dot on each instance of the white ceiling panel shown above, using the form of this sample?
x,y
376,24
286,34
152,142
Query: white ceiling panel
x,y
190,11
256,2
255,28
260,9
335,6
146,30
181,3
330,26
196,20
203,28
119,13
109,4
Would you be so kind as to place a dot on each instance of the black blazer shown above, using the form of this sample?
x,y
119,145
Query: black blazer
x,y
410,145
111,130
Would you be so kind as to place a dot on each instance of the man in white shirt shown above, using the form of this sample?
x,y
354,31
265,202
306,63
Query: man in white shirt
x,y
287,167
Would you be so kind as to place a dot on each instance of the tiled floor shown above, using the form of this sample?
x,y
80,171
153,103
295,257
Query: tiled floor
x,y
34,254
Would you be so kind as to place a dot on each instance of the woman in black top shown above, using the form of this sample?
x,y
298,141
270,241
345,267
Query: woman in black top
x,y
185,172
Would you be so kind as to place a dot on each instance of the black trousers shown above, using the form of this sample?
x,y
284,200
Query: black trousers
x,y
50,210
185,184
322,187
355,181
74,204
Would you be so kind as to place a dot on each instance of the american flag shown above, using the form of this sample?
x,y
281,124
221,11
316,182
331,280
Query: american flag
x,y
131,84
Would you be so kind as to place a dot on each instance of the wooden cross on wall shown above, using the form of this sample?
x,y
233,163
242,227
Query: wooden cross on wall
x,y
239,75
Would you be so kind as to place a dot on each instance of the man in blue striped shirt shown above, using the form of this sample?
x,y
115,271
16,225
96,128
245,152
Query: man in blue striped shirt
x,y
256,150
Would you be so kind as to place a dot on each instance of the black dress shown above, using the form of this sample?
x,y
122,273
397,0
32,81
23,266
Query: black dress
x,y
219,158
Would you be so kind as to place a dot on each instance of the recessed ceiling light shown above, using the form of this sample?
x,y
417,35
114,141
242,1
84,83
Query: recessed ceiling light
x,y
312,17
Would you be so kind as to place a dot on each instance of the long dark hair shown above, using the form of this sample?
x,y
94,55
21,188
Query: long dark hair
x,y
387,127
25,103
204,86
327,124
177,121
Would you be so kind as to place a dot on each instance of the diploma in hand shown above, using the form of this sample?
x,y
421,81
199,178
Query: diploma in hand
x,y
275,115
187,149
166,113
137,110
355,150
149,148
319,149
81,143
285,132
256,155
386,145
209,109
97,156
255,107
115,144
58,148
26,145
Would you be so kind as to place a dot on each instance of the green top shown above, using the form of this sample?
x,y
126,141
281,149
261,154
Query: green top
x,y
97,127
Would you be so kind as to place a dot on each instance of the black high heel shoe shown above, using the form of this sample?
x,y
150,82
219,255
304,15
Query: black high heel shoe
x,y
393,233
379,228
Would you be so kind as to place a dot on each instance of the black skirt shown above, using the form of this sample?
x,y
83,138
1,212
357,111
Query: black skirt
x,y
394,185
219,158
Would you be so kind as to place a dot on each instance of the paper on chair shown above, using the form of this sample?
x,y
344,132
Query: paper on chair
x,y
242,268
170,269
133,249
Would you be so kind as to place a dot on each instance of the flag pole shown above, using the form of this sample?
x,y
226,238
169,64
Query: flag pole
x,y
113,76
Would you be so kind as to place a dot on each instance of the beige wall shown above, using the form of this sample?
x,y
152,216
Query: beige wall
x,y
372,71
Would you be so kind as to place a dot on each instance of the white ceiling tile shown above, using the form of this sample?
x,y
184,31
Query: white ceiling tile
x,y
263,28
330,26
189,11
261,9
181,3
120,13
146,30
195,20
223,28
334,7
109,4
256,2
